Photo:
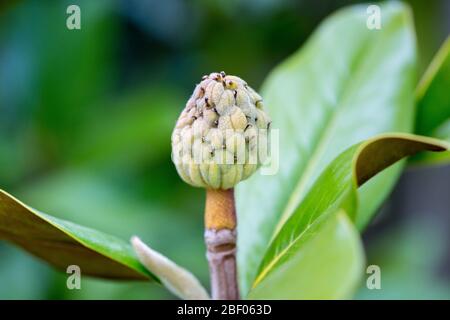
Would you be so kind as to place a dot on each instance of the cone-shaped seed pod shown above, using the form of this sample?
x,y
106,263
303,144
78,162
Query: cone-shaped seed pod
x,y
214,143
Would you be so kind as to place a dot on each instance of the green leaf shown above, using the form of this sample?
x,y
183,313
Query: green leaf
x,y
432,94
443,131
442,158
62,243
327,264
347,84
433,104
335,189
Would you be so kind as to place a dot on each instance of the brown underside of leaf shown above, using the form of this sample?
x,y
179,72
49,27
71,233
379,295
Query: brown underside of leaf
x,y
23,227
379,154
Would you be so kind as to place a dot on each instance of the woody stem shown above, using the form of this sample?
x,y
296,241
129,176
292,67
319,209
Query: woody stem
x,y
220,238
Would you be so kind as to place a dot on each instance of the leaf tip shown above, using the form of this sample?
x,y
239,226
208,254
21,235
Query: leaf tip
x,y
178,280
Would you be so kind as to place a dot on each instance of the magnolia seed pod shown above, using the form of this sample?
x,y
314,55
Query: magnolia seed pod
x,y
215,138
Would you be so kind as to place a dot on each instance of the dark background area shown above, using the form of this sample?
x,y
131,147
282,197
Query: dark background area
x,y
86,117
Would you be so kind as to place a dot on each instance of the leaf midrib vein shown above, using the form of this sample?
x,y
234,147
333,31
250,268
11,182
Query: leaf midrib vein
x,y
319,148
309,169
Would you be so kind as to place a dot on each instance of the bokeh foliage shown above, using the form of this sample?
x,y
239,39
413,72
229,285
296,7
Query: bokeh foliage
x,y
86,116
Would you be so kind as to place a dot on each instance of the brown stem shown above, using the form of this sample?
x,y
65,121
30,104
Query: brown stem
x,y
220,238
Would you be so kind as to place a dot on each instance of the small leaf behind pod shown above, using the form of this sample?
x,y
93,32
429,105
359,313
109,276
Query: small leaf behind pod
x,y
177,279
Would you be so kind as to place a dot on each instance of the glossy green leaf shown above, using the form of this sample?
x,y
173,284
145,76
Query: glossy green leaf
x,y
335,189
433,104
443,131
327,264
345,85
442,158
432,94
62,243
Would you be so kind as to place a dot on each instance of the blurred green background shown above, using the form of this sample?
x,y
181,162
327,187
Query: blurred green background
x,y
86,117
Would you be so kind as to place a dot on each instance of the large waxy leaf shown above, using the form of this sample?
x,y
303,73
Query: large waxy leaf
x,y
432,94
433,104
328,264
62,243
335,189
442,158
345,85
